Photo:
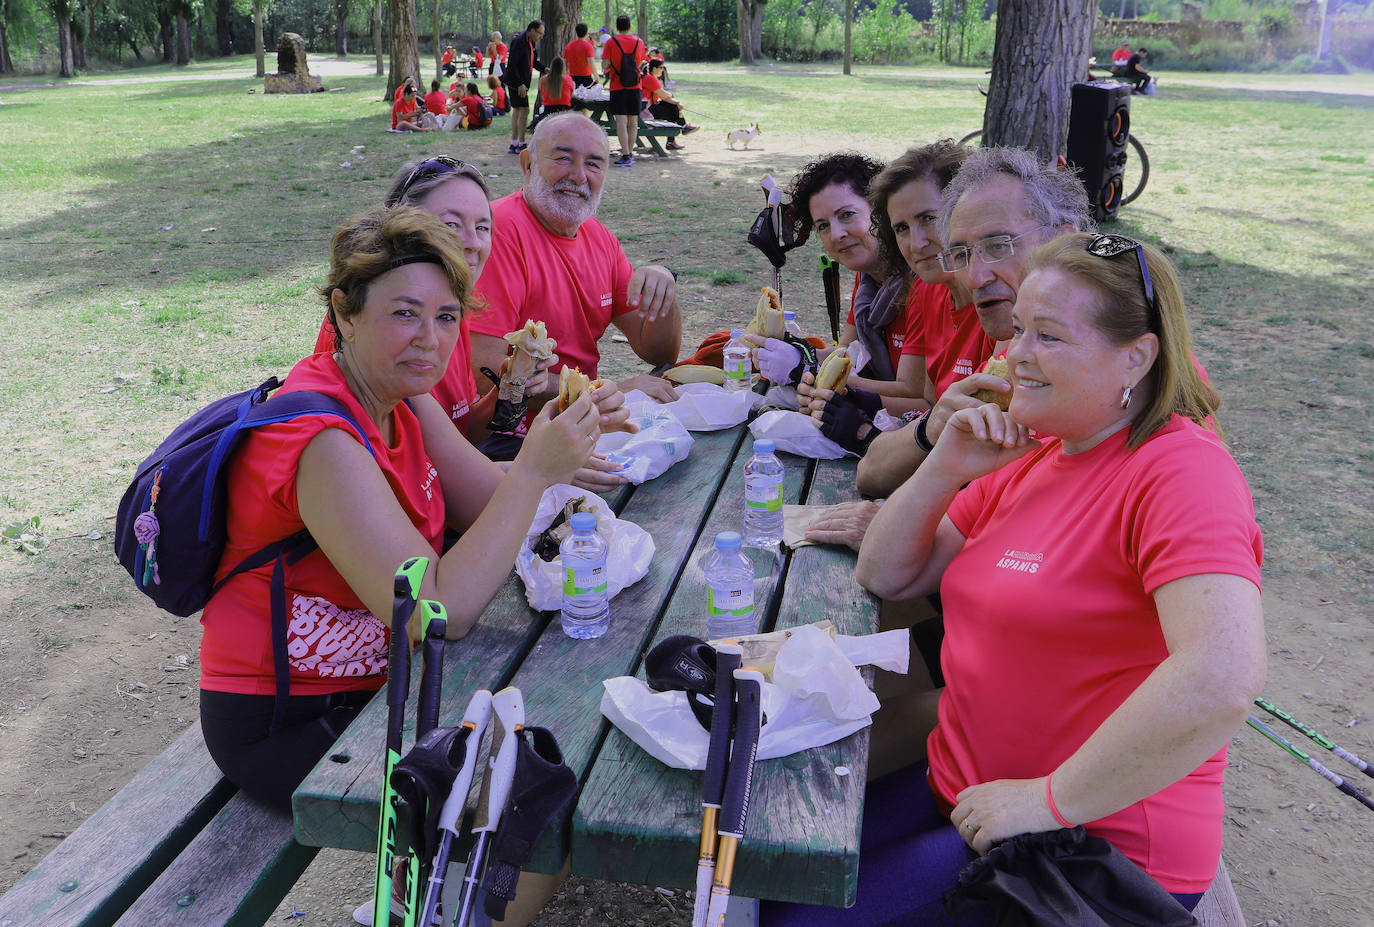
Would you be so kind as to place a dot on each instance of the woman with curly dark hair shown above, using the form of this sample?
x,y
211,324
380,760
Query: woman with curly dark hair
x,y
830,197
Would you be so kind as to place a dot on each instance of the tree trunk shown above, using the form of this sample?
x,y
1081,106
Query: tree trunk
x,y
609,19
224,27
377,34
6,64
495,16
643,25
756,27
848,36
746,38
438,52
88,39
1121,13
405,49
1041,48
258,50
65,65
341,28
78,48
183,38
560,24
165,34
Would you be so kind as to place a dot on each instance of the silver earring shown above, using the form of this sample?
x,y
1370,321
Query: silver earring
x,y
1125,397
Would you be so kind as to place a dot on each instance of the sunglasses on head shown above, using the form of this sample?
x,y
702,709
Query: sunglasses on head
x,y
432,167
1109,246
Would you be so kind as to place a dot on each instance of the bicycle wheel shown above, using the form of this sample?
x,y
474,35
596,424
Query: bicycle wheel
x,y
972,136
1137,170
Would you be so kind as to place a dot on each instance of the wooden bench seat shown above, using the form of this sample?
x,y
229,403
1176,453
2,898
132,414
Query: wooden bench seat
x,y
177,845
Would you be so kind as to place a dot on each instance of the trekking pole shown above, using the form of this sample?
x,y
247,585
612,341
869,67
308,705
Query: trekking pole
x,y
830,282
728,657
1297,725
475,720
773,193
433,624
509,707
744,748
406,590
1321,770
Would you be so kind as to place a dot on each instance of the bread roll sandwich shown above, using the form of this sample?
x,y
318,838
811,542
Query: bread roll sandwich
x,y
834,371
997,367
531,344
695,373
571,384
768,320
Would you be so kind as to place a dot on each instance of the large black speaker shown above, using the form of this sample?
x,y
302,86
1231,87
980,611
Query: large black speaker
x,y
1099,128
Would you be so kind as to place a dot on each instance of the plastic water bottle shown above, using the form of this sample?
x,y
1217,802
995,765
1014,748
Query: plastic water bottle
x,y
729,589
736,362
586,607
789,322
763,497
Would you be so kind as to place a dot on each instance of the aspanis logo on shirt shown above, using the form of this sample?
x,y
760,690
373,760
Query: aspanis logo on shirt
x,y
427,484
1021,561
897,339
963,367
606,300
460,409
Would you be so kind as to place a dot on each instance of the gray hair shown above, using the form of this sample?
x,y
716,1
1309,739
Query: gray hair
x,y
1053,197
557,118
404,191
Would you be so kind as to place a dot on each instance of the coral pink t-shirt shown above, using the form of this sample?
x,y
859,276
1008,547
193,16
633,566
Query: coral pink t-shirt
x,y
456,390
575,286
956,345
1050,624
436,103
904,333
579,54
335,644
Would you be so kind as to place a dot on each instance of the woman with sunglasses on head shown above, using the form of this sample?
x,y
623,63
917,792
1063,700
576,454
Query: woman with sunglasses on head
x,y
829,197
1103,629
399,285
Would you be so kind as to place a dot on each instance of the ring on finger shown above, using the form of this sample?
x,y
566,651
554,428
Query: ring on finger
x,y
969,826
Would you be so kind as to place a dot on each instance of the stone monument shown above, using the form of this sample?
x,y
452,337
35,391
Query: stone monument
x,y
292,74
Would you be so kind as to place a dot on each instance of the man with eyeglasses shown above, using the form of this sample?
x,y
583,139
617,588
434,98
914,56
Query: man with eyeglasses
x,y
1001,204
553,261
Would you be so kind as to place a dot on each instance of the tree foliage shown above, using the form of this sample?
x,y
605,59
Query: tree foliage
x,y
701,30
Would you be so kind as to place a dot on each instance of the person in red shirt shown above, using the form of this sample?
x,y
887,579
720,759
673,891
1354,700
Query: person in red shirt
x,y
405,112
496,53
398,288
472,109
436,101
661,104
555,90
553,261
624,56
580,54
476,67
1104,630
1121,55
449,63
999,206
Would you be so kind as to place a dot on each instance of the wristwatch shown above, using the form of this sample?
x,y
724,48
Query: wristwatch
x,y
922,440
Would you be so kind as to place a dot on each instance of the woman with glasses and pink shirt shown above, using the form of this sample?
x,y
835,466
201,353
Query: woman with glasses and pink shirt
x,y
1098,559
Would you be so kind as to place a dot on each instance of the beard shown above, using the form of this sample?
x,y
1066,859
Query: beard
x,y
550,199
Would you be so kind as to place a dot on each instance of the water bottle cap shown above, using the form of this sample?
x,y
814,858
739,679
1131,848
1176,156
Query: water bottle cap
x,y
763,446
729,540
583,521
736,333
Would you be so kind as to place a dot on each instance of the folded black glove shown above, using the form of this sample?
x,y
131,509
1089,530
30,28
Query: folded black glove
x,y
844,422
868,401
423,779
542,788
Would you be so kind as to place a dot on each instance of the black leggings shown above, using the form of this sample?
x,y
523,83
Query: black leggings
x,y
269,767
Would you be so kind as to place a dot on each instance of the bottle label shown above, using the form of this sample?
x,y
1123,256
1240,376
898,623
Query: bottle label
x,y
584,579
763,493
730,601
736,368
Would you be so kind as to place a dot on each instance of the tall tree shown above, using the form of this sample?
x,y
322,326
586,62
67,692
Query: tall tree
x,y
560,20
848,36
62,13
259,7
224,27
642,27
438,52
495,16
183,19
377,34
341,28
756,27
745,21
1041,48
405,47
6,62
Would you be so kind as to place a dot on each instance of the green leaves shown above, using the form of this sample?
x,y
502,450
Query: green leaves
x,y
26,536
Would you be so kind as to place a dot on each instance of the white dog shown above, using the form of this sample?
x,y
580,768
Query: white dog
x,y
742,135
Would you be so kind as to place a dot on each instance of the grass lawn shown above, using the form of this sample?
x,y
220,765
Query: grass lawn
x,y
160,241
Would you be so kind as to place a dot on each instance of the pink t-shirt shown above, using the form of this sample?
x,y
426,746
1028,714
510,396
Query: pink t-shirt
x,y
955,342
335,644
575,286
456,390
1050,624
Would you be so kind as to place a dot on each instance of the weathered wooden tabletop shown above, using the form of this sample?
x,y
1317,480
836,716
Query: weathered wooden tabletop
x,y
637,820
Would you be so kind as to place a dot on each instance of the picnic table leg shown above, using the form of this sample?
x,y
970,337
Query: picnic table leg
x,y
653,143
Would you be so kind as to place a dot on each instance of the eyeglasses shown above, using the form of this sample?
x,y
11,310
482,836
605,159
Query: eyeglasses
x,y
992,249
434,167
1109,246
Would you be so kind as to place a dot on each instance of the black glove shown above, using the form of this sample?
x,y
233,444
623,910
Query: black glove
x,y
868,401
843,422
807,362
505,415
423,779
542,788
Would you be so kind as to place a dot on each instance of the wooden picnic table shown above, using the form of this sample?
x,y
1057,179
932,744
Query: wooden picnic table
x,y
647,131
637,820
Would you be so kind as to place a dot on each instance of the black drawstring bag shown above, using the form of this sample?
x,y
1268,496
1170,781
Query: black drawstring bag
x,y
1061,877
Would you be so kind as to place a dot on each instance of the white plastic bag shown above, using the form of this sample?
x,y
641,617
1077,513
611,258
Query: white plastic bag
x,y
708,407
814,696
627,559
660,442
796,433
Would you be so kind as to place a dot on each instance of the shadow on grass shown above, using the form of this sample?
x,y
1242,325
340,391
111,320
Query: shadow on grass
x,y
1199,94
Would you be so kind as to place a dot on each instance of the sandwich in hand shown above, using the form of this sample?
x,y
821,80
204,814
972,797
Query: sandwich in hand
x,y
571,384
834,371
997,367
530,345
768,320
